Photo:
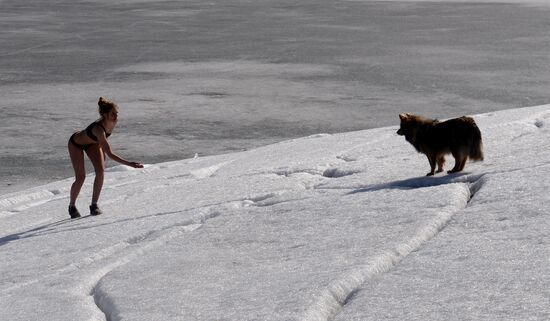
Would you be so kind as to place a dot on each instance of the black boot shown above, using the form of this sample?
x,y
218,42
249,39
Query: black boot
x,y
73,211
94,210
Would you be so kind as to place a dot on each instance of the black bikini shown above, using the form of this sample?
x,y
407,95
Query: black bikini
x,y
89,130
90,133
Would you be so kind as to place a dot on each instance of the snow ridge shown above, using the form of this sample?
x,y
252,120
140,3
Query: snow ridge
x,y
140,245
336,295
19,202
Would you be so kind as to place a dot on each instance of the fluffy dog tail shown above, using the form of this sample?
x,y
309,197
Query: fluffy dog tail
x,y
476,146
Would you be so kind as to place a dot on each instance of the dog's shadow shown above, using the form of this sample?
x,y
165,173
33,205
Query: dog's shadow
x,y
420,182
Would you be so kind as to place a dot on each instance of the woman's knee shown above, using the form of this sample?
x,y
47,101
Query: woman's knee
x,y
80,178
99,172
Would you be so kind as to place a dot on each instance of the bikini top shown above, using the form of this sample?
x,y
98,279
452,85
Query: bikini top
x,y
90,133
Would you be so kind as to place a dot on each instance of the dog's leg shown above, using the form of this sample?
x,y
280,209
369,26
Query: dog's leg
x,y
463,163
458,163
440,163
432,160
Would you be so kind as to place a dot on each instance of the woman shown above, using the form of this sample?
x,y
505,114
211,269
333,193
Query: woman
x,y
93,141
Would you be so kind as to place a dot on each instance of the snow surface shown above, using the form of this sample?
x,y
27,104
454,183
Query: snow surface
x,y
326,227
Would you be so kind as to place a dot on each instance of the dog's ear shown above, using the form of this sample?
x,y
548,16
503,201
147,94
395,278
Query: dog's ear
x,y
403,116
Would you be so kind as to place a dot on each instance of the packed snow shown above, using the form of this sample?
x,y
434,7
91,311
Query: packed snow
x,y
326,227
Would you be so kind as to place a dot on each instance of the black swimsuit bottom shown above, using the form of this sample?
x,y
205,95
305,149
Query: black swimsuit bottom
x,y
77,145
90,133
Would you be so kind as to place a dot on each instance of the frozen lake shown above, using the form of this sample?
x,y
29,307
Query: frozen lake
x,y
221,76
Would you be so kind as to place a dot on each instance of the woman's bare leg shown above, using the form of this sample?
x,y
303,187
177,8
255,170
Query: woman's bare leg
x,y
95,153
77,159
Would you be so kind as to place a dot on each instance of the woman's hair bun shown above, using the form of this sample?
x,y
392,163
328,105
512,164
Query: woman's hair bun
x,y
105,105
102,101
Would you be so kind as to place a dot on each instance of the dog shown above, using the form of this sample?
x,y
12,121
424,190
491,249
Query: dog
x,y
459,136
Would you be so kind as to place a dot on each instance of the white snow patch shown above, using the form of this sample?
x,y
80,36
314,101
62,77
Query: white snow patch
x,y
334,227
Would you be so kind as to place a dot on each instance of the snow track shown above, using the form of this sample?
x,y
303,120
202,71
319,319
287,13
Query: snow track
x,y
335,296
132,249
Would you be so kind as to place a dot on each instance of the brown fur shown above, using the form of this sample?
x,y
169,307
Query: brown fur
x,y
458,136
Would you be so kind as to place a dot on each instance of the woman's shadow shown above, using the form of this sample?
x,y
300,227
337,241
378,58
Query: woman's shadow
x,y
40,230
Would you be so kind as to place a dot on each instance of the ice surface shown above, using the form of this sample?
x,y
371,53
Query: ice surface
x,y
214,77
325,227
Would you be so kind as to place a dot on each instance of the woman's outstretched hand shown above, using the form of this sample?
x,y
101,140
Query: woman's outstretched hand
x,y
136,165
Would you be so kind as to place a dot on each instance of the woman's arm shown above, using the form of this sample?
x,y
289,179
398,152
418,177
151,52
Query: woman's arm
x,y
100,134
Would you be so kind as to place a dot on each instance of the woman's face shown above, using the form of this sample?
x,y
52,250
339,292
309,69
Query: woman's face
x,y
113,115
